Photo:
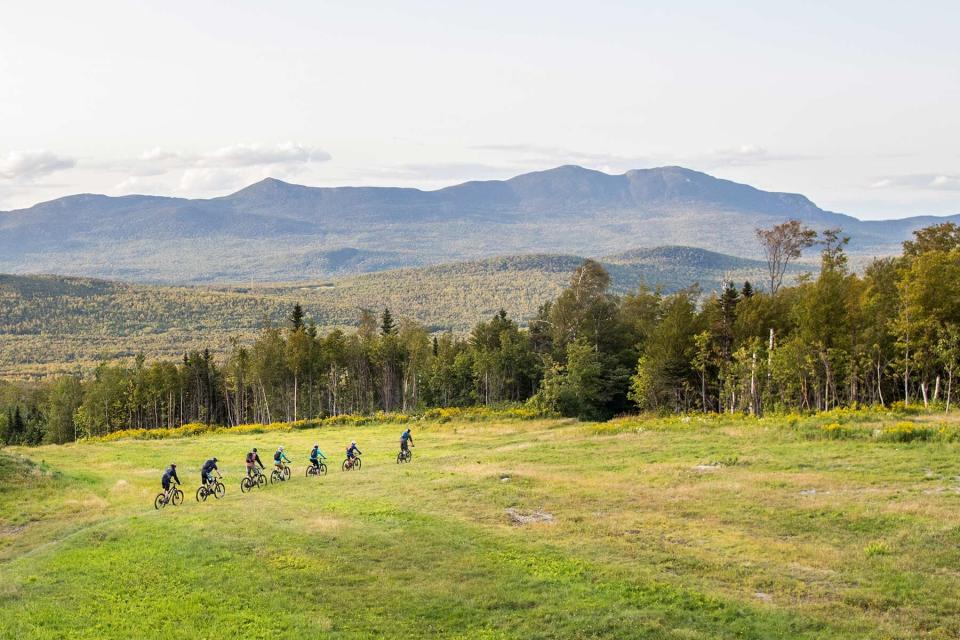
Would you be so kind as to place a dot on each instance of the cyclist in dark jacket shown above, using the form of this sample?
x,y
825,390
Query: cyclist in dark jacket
x,y
352,451
253,458
208,466
171,472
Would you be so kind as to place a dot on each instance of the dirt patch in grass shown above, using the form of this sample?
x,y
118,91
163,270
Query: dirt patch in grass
x,y
323,524
521,518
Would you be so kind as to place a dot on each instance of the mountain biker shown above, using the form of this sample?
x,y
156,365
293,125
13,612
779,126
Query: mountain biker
x,y
406,439
253,458
280,457
353,452
316,455
208,467
171,472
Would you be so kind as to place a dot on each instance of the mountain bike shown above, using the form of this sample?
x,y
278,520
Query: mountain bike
x,y
172,495
280,474
248,482
319,470
405,455
349,464
213,487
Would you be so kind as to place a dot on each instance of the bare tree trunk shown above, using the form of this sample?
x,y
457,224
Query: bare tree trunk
x,y
906,373
949,387
266,403
703,390
879,386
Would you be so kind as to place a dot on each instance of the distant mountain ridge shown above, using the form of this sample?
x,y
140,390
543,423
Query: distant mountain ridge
x,y
273,230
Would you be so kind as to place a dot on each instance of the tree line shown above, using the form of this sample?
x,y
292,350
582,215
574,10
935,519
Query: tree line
x,y
834,339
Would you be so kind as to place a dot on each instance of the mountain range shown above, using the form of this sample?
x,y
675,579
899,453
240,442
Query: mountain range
x,y
276,231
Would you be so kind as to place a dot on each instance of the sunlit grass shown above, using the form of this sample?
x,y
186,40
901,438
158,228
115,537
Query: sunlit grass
x,y
702,527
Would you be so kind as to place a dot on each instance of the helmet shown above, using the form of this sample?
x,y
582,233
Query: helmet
x,y
173,464
279,448
317,446
254,449
354,442
214,459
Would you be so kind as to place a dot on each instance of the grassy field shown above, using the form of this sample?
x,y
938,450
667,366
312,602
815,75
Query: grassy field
x,y
682,528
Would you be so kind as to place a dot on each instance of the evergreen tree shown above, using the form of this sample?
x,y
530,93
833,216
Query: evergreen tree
x,y
18,428
747,290
296,318
387,325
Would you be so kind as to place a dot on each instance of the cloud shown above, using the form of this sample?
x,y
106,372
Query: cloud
x,y
746,155
225,168
543,156
920,181
212,179
141,185
445,171
546,156
29,166
157,161
252,155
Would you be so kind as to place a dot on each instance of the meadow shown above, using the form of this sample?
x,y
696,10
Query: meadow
x,y
840,526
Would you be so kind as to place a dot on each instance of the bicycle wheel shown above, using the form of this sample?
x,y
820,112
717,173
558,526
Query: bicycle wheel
x,y
357,463
177,498
323,469
219,490
409,456
400,458
275,477
246,484
286,473
261,480
201,494
159,502
345,466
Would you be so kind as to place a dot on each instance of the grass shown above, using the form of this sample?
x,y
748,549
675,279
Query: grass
x,y
720,528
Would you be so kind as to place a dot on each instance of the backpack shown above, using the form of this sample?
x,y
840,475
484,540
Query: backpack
x,y
276,457
250,457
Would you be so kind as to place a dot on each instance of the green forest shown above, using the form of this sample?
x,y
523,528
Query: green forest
x,y
54,324
890,334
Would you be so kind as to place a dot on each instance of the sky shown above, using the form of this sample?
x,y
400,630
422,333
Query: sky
x,y
853,104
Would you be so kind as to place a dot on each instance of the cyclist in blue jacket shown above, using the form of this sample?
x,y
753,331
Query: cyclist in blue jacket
x,y
316,456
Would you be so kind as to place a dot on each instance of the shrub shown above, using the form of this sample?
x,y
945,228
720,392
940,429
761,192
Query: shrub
x,y
834,431
901,408
906,432
468,414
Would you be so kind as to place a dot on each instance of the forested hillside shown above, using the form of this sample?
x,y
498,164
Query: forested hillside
x,y
53,323
835,340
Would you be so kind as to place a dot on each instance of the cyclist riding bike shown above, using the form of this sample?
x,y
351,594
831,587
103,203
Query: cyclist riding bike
x,y
406,439
171,472
279,458
316,456
353,452
208,467
253,459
